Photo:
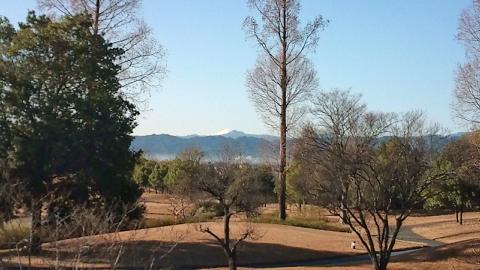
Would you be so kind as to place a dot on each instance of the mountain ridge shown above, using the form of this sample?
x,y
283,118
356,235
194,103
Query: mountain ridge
x,y
166,146
254,147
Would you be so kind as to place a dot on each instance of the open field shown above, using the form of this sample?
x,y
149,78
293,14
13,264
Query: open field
x,y
276,244
184,246
443,228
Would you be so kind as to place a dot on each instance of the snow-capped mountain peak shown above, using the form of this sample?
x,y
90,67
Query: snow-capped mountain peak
x,y
230,133
222,132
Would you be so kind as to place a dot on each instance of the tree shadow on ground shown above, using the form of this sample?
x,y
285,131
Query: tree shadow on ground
x,y
188,255
191,255
467,251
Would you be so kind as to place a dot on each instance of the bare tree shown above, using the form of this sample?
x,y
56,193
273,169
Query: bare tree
x,y
231,183
283,77
469,24
143,64
179,206
467,92
369,169
467,87
343,125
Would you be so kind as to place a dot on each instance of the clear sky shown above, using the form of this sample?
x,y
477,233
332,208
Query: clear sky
x,y
400,55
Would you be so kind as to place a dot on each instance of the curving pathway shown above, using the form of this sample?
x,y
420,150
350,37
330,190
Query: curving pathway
x,y
406,234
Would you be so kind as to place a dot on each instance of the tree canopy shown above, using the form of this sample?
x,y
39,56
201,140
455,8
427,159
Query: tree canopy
x,y
69,128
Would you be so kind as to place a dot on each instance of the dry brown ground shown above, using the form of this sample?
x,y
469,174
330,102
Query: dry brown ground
x,y
159,206
290,243
463,255
277,244
443,228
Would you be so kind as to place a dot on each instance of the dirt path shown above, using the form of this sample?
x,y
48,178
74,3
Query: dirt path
x,y
406,235
330,262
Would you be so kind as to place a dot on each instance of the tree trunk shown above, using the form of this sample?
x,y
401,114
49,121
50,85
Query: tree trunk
x,y
461,215
232,261
282,204
378,264
381,266
382,262
229,252
97,17
36,227
456,215
2,223
226,228
375,262
343,209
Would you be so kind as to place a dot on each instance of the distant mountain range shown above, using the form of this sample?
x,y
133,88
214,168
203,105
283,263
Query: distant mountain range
x,y
254,147
164,146
234,134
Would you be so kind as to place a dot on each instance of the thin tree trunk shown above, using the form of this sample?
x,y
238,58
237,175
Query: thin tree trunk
x,y
226,228
283,121
232,261
376,264
282,203
461,214
97,17
36,227
456,214
231,256
343,207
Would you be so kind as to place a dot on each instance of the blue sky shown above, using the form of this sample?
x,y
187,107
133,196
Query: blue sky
x,y
400,55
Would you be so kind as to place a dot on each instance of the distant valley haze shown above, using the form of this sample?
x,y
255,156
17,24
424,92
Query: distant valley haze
x,y
254,147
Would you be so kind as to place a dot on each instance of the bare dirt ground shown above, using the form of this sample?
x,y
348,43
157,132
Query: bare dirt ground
x,y
443,228
159,206
185,246
277,244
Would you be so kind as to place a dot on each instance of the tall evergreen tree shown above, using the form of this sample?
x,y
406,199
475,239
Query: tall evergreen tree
x,y
69,125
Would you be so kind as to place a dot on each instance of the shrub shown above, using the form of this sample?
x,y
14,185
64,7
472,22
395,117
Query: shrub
x,y
208,208
13,232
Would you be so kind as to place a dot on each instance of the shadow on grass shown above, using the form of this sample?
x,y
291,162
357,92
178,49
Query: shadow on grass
x,y
467,251
191,255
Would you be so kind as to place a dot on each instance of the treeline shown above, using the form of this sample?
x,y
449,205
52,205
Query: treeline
x,y
453,175
459,189
176,176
